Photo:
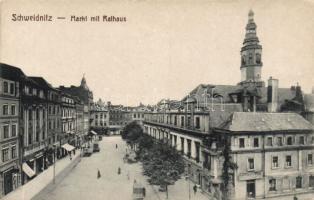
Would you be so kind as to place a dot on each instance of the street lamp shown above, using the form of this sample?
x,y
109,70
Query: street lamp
x,y
54,164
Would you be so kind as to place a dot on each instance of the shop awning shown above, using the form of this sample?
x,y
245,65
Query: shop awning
x,y
93,132
28,170
68,147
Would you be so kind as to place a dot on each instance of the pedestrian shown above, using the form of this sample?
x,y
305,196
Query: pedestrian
x,y
119,170
70,155
98,174
295,197
116,146
195,189
144,191
128,175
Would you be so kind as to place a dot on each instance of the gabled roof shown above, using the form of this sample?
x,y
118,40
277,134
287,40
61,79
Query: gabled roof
x,y
41,81
283,94
212,90
265,122
11,73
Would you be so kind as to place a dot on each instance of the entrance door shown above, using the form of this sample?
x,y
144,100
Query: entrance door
x,y
250,188
8,185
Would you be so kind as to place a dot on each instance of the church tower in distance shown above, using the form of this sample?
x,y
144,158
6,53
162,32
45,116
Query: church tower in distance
x,y
251,56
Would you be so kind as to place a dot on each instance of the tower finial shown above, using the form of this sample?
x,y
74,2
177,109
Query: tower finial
x,y
251,14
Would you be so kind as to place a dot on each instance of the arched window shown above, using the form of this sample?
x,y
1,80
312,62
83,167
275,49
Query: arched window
x,y
258,58
250,58
243,60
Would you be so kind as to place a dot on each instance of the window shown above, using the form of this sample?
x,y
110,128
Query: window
x,y
255,142
13,152
5,131
251,164
5,87
301,140
272,185
275,162
13,108
288,161
11,88
5,155
241,142
310,159
298,182
289,141
30,115
5,109
13,130
279,141
37,114
258,58
269,141
175,120
182,121
197,122
250,58
311,181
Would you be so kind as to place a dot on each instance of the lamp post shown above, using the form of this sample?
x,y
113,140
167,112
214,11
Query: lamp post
x,y
54,164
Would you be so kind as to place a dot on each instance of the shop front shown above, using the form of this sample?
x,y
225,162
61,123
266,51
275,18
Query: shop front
x,y
10,176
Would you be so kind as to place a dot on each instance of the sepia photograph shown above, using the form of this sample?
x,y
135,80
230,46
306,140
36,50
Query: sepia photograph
x,y
157,99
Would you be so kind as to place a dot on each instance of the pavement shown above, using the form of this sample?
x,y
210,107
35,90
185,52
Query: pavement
x,y
33,187
82,182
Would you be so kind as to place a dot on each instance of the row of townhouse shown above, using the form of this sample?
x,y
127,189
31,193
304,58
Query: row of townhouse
x,y
244,141
110,119
36,122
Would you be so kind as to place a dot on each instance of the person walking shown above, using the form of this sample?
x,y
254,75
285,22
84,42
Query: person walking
x,y
119,170
128,175
295,197
98,174
144,191
116,146
195,189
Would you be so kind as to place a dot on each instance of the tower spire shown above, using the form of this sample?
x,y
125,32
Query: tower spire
x,y
251,53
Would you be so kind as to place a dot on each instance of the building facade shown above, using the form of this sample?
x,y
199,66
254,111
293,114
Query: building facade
x,y
9,129
34,128
68,122
100,118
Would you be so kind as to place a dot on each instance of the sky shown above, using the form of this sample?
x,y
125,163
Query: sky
x,y
164,49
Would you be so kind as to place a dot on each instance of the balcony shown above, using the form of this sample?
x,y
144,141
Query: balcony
x,y
33,148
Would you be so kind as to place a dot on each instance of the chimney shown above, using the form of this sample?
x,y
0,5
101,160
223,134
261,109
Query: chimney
x,y
272,95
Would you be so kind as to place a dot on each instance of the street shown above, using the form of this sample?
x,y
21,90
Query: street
x,y
82,182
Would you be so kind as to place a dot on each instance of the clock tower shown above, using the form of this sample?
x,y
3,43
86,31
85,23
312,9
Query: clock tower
x,y
251,55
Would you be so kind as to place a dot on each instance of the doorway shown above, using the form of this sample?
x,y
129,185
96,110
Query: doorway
x,y
250,188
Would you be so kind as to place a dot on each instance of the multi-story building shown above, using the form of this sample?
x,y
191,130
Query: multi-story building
x,y
9,128
199,127
68,122
84,94
100,118
34,128
79,129
54,115
273,153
